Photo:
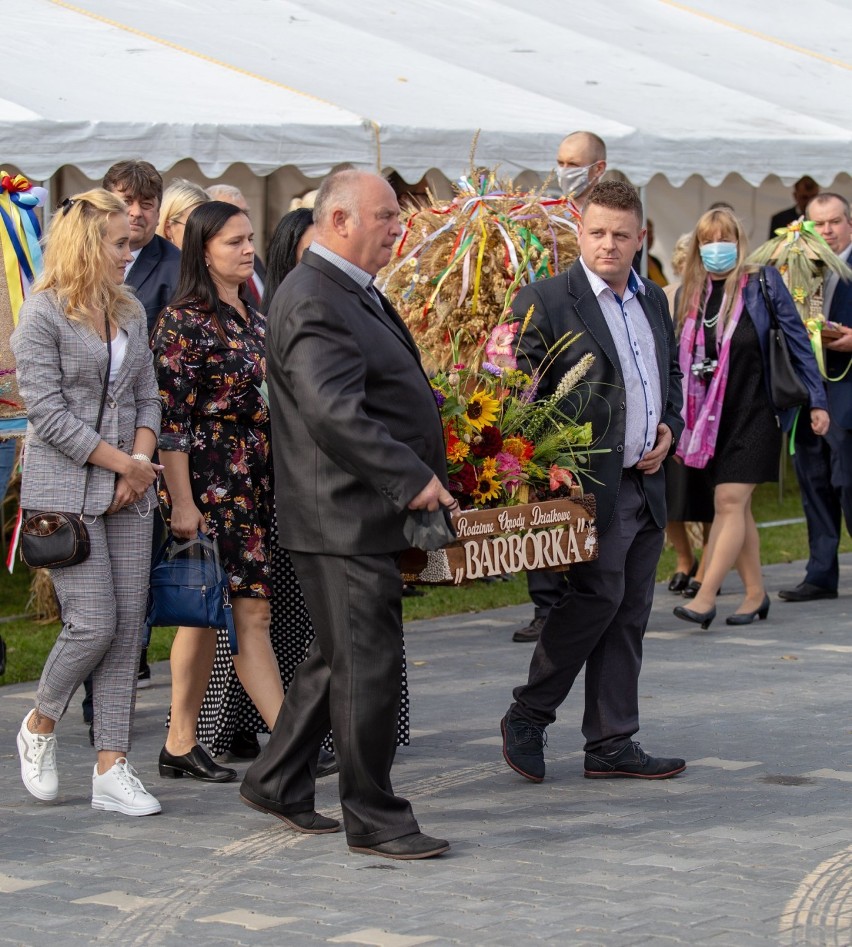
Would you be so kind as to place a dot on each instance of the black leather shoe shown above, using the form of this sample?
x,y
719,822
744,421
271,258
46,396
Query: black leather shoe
x,y
699,618
691,589
523,747
197,764
308,823
326,764
244,746
407,847
805,592
530,632
746,618
680,580
631,761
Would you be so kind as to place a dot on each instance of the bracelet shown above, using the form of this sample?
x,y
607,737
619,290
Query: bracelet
x,y
141,456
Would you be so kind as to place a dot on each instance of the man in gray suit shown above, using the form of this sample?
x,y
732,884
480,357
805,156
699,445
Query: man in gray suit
x,y
357,443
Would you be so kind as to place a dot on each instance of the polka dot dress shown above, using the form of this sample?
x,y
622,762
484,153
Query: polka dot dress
x,y
227,708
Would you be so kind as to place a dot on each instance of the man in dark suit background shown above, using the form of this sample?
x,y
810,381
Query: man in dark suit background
x,y
357,442
824,464
634,405
156,264
580,164
804,190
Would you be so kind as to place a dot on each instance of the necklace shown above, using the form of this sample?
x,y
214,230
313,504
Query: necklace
x,y
711,322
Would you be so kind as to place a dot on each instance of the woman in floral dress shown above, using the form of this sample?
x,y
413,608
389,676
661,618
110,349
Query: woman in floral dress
x,y
214,445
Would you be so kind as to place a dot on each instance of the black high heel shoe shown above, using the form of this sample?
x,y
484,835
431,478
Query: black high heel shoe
x,y
680,580
197,764
697,618
746,618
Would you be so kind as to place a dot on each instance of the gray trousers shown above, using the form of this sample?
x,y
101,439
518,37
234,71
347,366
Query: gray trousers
x,y
102,603
599,622
350,680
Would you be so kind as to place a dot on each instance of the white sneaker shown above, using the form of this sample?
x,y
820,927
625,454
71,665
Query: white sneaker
x,y
119,789
38,762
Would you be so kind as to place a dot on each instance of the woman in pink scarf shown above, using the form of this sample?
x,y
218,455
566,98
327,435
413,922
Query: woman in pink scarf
x,y
732,427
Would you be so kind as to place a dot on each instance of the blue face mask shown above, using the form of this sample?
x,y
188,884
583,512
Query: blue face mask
x,y
718,257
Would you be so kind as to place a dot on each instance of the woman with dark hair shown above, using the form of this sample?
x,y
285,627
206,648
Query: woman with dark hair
x,y
214,445
229,722
292,235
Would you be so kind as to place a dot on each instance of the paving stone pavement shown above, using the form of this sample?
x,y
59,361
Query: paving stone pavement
x,y
751,845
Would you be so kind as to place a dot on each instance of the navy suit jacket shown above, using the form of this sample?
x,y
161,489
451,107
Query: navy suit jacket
x,y
798,344
154,276
840,392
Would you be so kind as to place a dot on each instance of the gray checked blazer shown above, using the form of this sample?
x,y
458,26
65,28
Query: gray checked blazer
x,y
60,369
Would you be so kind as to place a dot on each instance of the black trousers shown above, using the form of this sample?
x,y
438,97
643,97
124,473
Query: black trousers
x,y
824,470
546,589
349,680
599,622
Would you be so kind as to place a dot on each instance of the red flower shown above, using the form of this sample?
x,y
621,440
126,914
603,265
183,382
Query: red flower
x,y
466,479
490,445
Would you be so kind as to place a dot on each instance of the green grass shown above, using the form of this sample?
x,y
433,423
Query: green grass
x,y
28,643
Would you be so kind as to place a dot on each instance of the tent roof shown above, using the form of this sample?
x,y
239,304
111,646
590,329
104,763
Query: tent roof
x,y
705,87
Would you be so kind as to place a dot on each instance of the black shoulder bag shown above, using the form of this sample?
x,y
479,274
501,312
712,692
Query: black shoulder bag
x,y
785,386
58,540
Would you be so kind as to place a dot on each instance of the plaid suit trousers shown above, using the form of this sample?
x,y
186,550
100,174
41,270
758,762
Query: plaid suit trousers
x,y
103,602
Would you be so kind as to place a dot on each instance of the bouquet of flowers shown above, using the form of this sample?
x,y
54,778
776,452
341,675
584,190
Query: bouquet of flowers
x,y
504,445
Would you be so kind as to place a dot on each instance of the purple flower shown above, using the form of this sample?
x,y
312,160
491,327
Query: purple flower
x,y
492,369
528,396
440,397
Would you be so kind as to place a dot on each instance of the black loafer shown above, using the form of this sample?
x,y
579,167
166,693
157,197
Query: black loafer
x,y
244,746
197,764
806,592
326,764
308,823
680,580
407,847
633,762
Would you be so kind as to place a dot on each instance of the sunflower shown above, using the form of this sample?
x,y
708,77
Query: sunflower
x,y
481,410
487,488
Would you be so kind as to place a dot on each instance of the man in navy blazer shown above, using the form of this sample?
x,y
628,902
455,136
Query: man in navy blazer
x,y
632,396
824,464
153,274
156,265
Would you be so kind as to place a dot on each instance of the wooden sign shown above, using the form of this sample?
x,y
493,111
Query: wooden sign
x,y
551,535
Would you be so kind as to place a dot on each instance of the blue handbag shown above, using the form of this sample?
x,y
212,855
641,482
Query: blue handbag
x,y
190,587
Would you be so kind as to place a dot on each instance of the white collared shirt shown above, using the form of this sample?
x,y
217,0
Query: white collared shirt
x,y
637,353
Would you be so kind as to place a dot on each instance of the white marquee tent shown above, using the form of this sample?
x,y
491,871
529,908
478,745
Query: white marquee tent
x,y
688,92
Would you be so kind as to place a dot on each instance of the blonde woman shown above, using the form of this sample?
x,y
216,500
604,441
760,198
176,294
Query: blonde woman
x,y
180,199
689,497
60,346
733,430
